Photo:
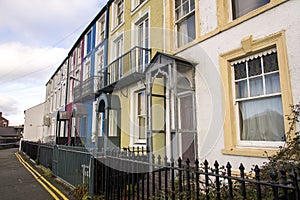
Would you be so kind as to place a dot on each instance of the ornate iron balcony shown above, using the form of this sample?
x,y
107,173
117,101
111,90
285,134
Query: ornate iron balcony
x,y
87,89
133,61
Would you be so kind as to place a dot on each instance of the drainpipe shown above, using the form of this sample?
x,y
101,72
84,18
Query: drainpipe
x,y
66,101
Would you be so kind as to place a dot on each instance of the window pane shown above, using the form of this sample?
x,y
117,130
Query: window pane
x,y
142,130
256,86
185,8
254,67
186,113
240,71
186,30
192,4
177,3
242,89
270,63
272,83
113,124
262,120
141,103
242,7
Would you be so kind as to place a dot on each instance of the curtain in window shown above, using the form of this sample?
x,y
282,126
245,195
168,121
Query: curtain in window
x,y
242,7
262,119
186,113
186,31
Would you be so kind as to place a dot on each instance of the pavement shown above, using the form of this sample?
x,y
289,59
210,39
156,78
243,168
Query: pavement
x,y
21,179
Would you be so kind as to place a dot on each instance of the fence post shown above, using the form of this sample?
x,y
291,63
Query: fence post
x,y
172,179
243,186
153,176
206,179
180,177
166,177
230,192
188,178
284,180
274,175
294,178
257,178
159,174
217,179
92,172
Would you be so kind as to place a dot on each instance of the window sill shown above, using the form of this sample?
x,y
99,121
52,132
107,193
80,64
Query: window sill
x,y
135,9
251,152
116,28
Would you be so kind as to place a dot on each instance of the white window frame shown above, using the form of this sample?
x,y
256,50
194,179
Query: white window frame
x,y
180,96
135,4
135,36
87,70
240,143
134,127
101,27
99,62
118,13
117,51
191,11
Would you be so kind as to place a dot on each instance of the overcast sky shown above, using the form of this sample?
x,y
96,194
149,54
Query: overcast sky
x,y
35,37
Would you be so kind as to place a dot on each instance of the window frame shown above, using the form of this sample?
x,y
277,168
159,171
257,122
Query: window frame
x,y
134,127
118,13
101,28
277,40
184,17
237,100
233,11
89,41
136,4
225,16
99,64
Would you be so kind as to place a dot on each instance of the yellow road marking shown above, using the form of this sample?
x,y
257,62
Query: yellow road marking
x,y
38,179
41,177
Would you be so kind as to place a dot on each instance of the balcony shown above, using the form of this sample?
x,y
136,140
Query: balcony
x,y
126,69
87,89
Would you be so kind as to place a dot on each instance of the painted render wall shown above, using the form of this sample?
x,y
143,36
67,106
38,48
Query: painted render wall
x,y
33,125
208,82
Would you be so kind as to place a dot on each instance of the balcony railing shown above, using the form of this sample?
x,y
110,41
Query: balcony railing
x,y
133,61
87,89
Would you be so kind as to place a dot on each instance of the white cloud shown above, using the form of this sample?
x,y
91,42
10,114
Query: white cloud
x,y
46,22
8,104
31,63
35,36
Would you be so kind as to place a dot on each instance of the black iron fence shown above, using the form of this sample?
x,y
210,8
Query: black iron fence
x,y
134,173
125,175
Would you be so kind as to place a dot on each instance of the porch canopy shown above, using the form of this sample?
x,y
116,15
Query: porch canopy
x,y
170,106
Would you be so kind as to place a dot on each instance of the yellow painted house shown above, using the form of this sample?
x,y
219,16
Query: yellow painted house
x,y
148,98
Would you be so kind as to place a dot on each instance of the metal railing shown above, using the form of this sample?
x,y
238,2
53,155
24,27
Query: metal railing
x,y
132,176
69,163
87,89
135,60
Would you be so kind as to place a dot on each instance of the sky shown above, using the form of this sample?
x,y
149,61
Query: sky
x,y
35,38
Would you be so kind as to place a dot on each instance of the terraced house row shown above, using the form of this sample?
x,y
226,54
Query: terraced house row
x,y
196,79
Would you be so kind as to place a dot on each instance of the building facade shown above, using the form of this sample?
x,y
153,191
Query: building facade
x,y
195,79
3,121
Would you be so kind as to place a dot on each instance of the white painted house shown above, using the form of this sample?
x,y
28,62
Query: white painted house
x,y
34,124
246,76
